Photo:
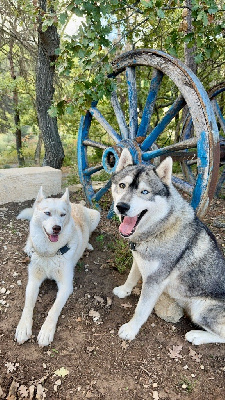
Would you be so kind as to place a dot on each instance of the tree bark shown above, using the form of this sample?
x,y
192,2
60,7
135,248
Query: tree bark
x,y
189,53
18,132
48,42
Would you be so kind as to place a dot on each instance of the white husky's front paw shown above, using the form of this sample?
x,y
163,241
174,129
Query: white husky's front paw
x,y
89,247
46,334
23,330
128,331
121,291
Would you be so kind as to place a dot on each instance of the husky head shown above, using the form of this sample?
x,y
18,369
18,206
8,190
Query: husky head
x,y
141,195
51,214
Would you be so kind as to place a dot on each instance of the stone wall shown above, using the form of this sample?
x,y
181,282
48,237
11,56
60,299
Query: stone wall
x,y
20,184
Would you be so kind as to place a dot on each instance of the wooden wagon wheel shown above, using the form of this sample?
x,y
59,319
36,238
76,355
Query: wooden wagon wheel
x,y
139,136
187,132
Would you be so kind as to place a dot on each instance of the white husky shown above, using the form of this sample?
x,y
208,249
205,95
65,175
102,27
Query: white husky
x,y
59,234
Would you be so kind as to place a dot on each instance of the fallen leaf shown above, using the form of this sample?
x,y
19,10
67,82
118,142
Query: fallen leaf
x,y
99,299
124,345
155,395
2,394
196,357
24,392
40,395
13,390
109,302
136,291
94,314
61,372
90,349
56,384
175,352
11,366
31,391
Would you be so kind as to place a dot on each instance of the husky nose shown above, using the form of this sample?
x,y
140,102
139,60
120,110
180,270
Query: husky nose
x,y
56,229
123,207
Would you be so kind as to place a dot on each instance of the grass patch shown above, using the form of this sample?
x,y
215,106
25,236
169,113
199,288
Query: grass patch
x,y
187,385
122,255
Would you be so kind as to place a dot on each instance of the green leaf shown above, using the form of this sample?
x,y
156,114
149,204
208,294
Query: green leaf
x,y
63,17
161,13
198,58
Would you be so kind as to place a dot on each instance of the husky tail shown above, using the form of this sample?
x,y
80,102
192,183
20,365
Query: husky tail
x,y
27,213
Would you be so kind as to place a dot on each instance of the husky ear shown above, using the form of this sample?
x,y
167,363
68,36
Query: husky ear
x,y
66,196
125,160
40,195
164,170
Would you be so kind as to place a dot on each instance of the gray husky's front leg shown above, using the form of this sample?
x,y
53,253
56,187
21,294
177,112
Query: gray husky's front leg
x,y
132,279
148,298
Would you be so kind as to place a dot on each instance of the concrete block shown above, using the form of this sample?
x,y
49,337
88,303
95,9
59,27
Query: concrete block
x,y
20,184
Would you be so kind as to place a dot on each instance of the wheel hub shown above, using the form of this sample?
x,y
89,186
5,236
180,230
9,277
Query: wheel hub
x,y
111,155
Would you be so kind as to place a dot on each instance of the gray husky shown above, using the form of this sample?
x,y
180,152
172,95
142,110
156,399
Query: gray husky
x,y
173,252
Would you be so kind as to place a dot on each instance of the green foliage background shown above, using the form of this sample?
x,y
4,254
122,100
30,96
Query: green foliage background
x,y
104,29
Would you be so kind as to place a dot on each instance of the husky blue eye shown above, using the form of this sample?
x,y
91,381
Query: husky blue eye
x,y
47,213
122,185
145,192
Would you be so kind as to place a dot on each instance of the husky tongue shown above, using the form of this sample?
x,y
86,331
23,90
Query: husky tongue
x,y
53,238
127,225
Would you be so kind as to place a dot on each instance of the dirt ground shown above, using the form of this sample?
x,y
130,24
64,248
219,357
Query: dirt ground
x,y
87,359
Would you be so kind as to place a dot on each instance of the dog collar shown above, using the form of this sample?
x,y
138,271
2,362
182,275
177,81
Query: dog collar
x,y
63,250
132,246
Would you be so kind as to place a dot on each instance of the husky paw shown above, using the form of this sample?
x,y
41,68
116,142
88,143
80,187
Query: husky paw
x,y
127,331
196,337
46,334
23,330
121,291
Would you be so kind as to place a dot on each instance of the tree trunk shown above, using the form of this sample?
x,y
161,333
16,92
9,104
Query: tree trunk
x,y
48,42
18,132
189,53
37,155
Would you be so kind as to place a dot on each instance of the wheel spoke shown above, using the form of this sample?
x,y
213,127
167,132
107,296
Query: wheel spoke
x,y
218,113
109,129
92,143
119,116
182,185
149,105
174,109
92,170
132,97
98,195
185,144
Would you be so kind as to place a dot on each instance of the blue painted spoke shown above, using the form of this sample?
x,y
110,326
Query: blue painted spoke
x,y
98,195
150,102
218,113
174,109
119,116
203,174
84,127
132,97
92,170
109,129
186,144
